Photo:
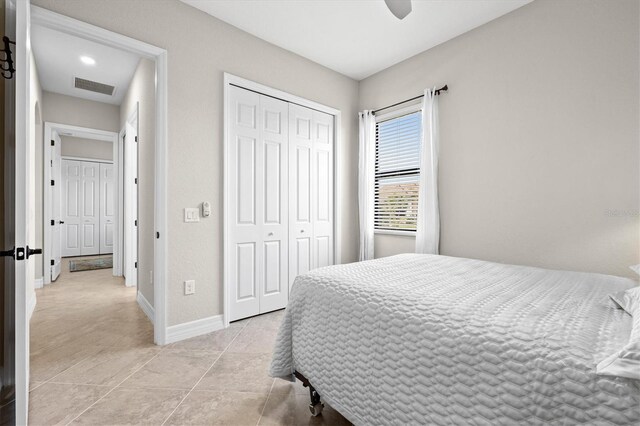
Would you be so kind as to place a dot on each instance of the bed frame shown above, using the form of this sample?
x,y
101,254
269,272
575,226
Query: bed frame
x,y
315,406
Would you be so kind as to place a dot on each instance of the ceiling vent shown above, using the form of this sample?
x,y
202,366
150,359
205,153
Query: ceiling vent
x,y
94,86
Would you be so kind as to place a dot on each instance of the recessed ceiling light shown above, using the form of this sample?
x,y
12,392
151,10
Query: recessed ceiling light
x,y
87,60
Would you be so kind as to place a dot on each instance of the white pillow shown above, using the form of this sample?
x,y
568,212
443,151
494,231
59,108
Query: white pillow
x,y
627,299
626,363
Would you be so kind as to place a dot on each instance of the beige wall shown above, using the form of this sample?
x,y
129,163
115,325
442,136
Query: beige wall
x,y
142,92
86,148
539,136
200,48
62,109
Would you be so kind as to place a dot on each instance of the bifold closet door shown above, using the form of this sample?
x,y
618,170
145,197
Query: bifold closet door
x,y
71,194
257,224
80,208
107,207
90,209
310,190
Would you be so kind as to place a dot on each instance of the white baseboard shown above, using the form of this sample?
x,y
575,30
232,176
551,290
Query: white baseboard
x,y
31,304
175,333
38,282
146,307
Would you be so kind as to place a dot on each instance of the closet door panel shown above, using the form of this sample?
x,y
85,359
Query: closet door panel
x,y
90,209
274,138
244,228
301,171
107,207
71,194
322,190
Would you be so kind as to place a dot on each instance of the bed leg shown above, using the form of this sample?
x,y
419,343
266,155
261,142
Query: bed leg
x,y
315,407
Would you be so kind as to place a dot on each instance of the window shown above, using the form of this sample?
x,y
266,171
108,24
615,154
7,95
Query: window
x,y
397,172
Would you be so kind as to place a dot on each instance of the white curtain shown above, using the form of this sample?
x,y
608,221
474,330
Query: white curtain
x,y
428,227
366,171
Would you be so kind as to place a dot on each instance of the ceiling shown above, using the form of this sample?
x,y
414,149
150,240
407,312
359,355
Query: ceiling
x,y
57,57
355,37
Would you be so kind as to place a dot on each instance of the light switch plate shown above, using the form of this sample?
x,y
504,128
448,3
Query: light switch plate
x,y
192,215
189,287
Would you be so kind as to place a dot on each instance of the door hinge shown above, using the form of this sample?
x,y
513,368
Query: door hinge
x,y
136,139
53,182
53,143
157,235
53,222
135,181
135,265
135,223
53,262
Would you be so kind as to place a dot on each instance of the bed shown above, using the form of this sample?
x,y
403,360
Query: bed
x,y
422,339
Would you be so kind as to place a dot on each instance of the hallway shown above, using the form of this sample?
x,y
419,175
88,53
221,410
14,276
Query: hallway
x,y
93,361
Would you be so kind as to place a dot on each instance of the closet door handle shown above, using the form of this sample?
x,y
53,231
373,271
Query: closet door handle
x,y
302,231
271,234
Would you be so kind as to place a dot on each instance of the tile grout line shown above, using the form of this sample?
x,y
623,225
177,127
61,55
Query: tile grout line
x,y
114,388
50,380
205,373
99,349
266,401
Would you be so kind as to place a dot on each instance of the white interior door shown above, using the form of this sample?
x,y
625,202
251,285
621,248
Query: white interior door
x,y
17,126
71,201
56,200
322,190
310,190
107,207
301,172
257,223
130,206
273,185
90,209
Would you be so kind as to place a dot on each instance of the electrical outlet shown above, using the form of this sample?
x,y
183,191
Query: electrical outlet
x,y
189,287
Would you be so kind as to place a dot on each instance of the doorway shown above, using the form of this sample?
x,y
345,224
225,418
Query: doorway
x,y
80,194
23,17
152,169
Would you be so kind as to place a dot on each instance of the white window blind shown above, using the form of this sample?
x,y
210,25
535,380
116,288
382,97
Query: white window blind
x,y
397,172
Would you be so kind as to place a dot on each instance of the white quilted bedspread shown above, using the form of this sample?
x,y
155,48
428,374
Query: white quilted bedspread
x,y
420,339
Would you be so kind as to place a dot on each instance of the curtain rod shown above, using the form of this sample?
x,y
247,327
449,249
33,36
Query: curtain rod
x,y
442,89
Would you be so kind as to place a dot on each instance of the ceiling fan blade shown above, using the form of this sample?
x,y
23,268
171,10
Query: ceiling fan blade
x,y
400,8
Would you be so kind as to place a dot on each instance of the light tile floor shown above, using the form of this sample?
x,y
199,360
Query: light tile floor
x,y
93,361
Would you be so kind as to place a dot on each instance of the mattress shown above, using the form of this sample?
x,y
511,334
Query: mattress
x,y
422,339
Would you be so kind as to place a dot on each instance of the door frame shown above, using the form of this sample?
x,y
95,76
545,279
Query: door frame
x,y
234,80
90,32
132,119
78,132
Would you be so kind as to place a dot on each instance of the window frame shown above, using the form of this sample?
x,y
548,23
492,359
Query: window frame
x,y
411,109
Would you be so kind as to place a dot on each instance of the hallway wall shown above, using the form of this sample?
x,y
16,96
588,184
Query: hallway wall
x,y
142,91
